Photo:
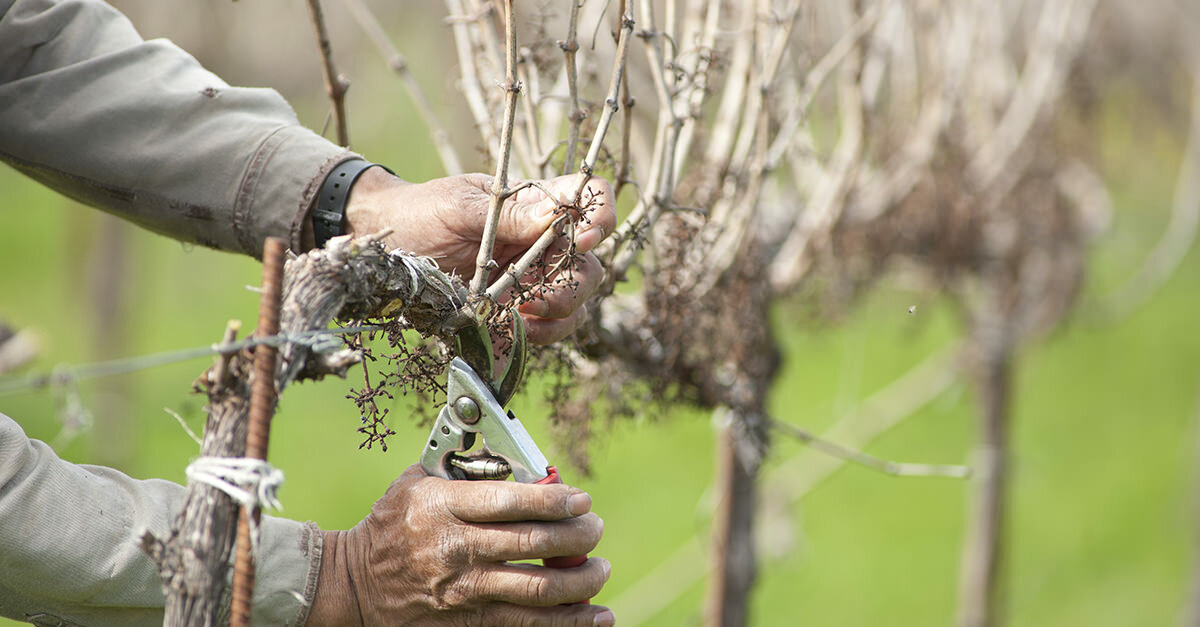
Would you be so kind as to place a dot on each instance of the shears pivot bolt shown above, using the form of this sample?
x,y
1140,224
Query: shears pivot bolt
x,y
467,409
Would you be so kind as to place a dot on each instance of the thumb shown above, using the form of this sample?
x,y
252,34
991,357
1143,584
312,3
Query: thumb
x,y
529,212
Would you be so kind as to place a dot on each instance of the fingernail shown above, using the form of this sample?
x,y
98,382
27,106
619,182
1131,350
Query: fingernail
x,y
586,239
579,504
536,307
602,231
607,569
604,619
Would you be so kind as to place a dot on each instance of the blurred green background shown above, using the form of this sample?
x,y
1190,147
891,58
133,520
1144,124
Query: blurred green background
x,y
1104,514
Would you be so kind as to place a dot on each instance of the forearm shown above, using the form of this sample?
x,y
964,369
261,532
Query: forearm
x,y
70,543
140,129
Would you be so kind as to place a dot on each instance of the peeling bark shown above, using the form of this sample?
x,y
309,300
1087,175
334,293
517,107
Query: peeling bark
x,y
349,279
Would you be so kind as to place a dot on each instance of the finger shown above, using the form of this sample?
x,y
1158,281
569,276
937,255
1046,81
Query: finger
x,y
526,584
502,542
531,210
543,331
567,291
599,214
509,615
508,501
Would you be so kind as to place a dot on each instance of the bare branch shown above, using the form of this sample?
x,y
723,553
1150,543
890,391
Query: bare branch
x,y
335,84
828,198
483,19
1060,30
658,188
853,456
570,46
979,601
612,98
701,79
184,425
875,196
512,89
816,77
724,126
399,64
513,274
530,147
795,478
662,179
1180,233
623,161
469,83
516,270
762,82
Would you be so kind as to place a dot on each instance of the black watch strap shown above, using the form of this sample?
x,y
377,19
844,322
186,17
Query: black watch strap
x,y
330,211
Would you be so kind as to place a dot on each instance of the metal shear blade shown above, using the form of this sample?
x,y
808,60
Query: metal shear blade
x,y
474,344
475,406
472,410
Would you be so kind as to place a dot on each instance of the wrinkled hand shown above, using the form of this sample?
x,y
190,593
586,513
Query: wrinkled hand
x,y
444,219
436,552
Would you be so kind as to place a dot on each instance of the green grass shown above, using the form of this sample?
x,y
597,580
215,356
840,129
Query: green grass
x,y
1103,508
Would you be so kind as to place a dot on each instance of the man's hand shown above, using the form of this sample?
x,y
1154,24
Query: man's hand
x,y
444,219
436,552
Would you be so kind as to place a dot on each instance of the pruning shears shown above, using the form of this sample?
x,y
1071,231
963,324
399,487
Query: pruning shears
x,y
475,407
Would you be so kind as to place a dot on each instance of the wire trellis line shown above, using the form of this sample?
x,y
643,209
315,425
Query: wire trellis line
x,y
319,341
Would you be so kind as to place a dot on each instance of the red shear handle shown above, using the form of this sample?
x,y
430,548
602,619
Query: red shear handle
x,y
570,561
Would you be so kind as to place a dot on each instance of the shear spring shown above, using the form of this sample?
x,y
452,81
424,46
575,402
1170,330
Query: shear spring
x,y
481,467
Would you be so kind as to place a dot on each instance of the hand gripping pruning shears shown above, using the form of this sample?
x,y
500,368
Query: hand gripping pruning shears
x,y
475,408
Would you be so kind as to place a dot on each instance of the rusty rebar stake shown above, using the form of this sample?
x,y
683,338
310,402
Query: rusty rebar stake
x,y
262,407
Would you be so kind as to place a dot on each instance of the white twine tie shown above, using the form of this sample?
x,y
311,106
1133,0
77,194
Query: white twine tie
x,y
251,482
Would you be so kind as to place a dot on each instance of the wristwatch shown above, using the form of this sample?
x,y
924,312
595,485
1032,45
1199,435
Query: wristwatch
x,y
330,212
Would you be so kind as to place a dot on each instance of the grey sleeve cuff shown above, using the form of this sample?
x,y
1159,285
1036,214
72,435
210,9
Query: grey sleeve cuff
x,y
279,186
286,574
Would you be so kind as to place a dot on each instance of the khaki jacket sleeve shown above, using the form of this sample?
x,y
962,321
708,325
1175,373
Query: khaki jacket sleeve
x,y
70,537
138,128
